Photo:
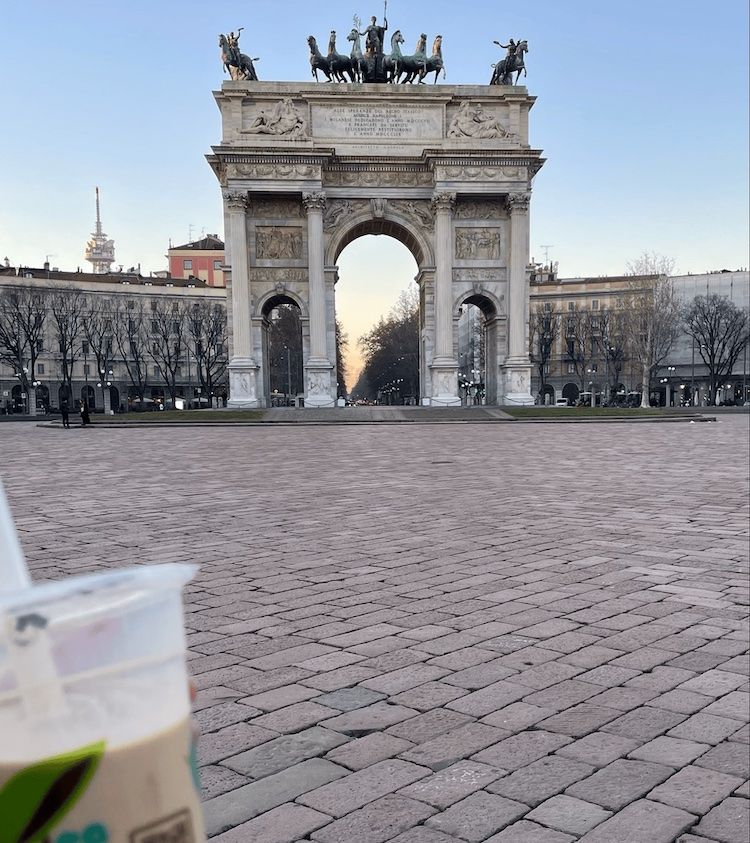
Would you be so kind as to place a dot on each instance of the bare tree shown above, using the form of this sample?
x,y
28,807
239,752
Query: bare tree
x,y
580,341
651,263
207,334
132,341
168,341
543,334
67,307
613,343
23,311
98,317
720,331
342,344
650,312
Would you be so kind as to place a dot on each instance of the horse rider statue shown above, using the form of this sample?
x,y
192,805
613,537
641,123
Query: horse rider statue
x,y
233,45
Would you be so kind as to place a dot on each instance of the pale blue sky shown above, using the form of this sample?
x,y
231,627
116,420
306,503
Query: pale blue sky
x,y
642,113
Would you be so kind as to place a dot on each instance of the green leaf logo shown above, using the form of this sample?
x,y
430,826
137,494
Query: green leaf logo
x,y
35,799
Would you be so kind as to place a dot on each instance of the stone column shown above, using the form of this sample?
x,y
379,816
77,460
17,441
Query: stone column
x,y
444,366
517,369
319,367
243,371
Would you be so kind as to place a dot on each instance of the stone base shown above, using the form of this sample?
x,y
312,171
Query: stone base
x,y
320,389
517,377
444,384
243,385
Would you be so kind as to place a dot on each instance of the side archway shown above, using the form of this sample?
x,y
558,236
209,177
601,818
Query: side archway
x,y
477,346
283,348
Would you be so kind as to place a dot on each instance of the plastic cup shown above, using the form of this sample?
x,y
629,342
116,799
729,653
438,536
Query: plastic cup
x,y
99,749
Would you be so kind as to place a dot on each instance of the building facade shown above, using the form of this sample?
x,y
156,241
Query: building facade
x,y
683,378
202,259
115,391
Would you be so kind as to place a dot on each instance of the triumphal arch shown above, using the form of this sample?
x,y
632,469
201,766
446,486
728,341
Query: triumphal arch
x,y
307,168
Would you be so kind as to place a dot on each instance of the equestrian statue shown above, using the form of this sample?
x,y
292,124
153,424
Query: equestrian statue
x,y
236,63
512,63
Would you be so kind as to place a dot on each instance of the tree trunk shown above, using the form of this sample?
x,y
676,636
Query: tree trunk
x,y
645,386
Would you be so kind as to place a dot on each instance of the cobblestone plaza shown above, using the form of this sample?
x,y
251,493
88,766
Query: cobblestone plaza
x,y
516,633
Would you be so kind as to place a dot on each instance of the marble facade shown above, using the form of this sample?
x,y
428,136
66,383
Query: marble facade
x,y
305,169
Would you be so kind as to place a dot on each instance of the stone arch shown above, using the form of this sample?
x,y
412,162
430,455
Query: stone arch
x,y
489,306
391,224
293,384
571,392
272,298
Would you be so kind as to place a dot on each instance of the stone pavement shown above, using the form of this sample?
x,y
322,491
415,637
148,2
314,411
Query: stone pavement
x,y
431,634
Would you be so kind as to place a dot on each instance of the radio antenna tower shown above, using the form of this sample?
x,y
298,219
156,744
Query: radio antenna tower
x,y
100,251
545,249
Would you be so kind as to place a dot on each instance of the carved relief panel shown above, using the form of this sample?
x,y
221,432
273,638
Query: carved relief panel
x,y
477,243
274,208
278,243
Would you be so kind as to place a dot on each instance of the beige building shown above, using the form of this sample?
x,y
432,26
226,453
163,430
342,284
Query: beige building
x,y
124,290
684,373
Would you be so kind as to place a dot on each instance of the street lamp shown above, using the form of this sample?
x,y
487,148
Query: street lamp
x,y
592,371
105,382
667,390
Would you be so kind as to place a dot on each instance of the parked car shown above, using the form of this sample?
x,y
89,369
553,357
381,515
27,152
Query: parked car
x,y
562,402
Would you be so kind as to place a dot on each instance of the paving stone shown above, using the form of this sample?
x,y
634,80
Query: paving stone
x,y
216,780
481,675
550,673
591,656
429,725
579,720
519,750
489,699
608,675
541,779
421,834
705,728
294,718
279,697
363,786
714,683
342,677
565,813
224,714
645,723
643,658
623,698
231,809
660,679
684,702
445,749
641,821
377,822
528,832
428,696
730,758
371,718
735,705
672,751
230,741
477,816
363,752
405,678
619,783
563,695
517,716
728,822
599,748
695,789
349,699
284,751
451,784
284,824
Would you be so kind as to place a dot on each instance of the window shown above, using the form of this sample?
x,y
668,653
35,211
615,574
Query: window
x,y
217,264
84,348
39,345
546,368
187,264
133,349
175,307
595,323
155,348
571,369
86,369
178,371
175,327
62,346
108,346
156,371
594,368
154,305
154,326
219,348
131,304
571,305
595,304
40,368
548,306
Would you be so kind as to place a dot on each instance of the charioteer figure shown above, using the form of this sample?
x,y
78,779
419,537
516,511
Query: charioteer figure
x,y
375,36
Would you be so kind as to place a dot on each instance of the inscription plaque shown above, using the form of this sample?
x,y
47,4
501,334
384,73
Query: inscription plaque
x,y
383,122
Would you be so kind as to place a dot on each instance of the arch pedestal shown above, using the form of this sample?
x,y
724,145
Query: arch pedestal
x,y
447,170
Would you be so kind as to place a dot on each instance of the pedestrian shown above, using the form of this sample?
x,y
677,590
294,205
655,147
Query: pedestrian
x,y
65,413
85,417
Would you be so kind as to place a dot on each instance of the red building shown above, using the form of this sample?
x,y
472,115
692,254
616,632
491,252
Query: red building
x,y
202,259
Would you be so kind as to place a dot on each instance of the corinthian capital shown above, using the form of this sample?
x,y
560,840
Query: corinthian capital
x,y
518,202
314,202
235,200
444,202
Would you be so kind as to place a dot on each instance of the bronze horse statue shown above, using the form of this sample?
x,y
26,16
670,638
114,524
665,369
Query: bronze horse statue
x,y
236,64
505,68
358,59
412,66
434,62
317,60
339,64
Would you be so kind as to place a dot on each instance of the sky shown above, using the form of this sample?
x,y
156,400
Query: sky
x,y
641,111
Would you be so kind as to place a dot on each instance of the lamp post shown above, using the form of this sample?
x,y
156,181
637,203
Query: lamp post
x,y
105,382
289,375
668,389
591,387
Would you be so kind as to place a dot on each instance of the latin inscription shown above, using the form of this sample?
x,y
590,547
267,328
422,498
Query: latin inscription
x,y
402,122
